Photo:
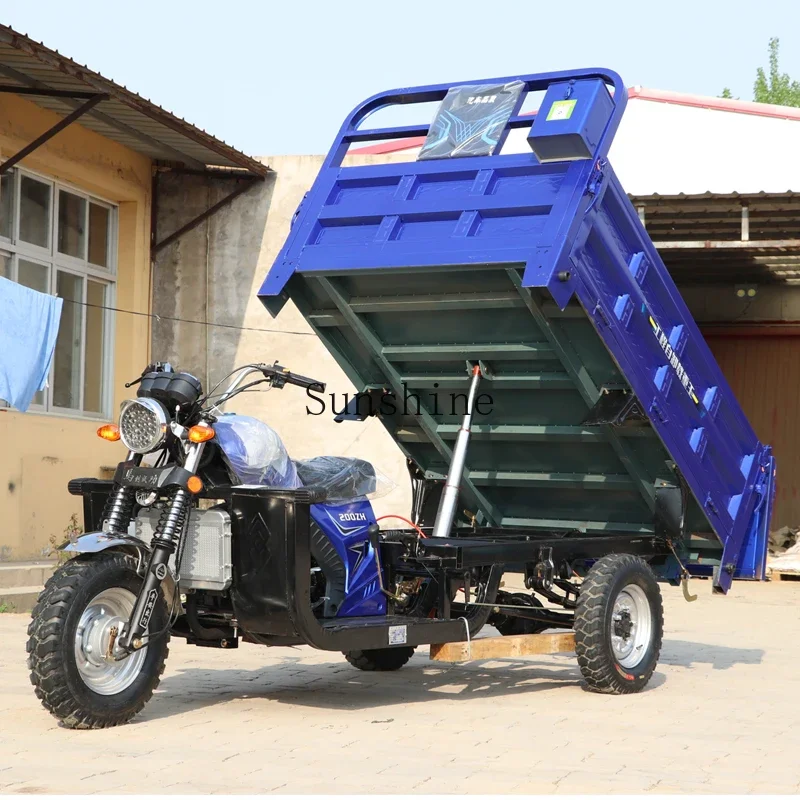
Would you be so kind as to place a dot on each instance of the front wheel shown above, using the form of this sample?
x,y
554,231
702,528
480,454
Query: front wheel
x,y
619,624
78,672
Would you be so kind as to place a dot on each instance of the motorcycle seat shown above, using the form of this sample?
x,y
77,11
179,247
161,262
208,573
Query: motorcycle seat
x,y
339,477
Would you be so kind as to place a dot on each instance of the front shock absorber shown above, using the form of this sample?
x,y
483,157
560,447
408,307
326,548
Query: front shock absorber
x,y
172,520
118,510
166,541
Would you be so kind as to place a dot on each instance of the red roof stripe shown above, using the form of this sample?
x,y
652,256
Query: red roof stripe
x,y
714,103
634,93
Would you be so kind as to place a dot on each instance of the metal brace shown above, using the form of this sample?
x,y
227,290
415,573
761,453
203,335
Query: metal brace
x,y
685,576
542,576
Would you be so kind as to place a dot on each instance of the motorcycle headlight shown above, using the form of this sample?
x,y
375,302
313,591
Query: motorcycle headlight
x,y
143,425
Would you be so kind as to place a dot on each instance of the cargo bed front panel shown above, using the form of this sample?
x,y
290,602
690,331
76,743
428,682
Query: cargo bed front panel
x,y
544,274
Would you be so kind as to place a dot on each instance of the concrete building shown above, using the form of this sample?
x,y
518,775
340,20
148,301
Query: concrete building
x,y
712,182
78,155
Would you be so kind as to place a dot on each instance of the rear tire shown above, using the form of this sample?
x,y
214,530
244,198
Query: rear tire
x,y
70,673
386,659
619,625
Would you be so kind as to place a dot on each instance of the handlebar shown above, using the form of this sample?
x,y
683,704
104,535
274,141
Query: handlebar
x,y
277,375
281,376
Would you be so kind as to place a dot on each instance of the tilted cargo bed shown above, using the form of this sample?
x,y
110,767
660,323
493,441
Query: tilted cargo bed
x,y
603,391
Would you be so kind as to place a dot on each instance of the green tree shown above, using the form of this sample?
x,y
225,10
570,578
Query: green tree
x,y
775,87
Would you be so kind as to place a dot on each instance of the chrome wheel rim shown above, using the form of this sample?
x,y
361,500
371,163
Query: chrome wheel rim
x,y
631,626
96,648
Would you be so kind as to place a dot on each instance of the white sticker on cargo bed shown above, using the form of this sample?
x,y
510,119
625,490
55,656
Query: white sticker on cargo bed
x,y
398,634
673,359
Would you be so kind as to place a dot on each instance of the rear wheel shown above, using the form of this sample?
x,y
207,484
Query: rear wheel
x,y
619,625
386,659
78,671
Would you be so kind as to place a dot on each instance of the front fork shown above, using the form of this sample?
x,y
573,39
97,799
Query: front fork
x,y
165,541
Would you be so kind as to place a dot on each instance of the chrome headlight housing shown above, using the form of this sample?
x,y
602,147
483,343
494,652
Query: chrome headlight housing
x,y
143,425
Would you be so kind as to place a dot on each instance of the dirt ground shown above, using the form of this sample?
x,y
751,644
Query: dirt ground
x,y
720,716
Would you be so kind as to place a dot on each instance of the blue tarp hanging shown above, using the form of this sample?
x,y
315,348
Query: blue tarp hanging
x,y
28,330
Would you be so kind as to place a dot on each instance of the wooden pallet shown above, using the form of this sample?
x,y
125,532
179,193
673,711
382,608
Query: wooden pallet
x,y
526,644
778,575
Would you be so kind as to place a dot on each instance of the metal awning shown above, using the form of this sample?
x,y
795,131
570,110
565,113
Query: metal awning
x,y
713,238
61,85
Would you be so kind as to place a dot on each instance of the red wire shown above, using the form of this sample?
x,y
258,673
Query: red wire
x,y
407,521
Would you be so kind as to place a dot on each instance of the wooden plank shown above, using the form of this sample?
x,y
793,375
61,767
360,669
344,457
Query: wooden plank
x,y
778,575
529,644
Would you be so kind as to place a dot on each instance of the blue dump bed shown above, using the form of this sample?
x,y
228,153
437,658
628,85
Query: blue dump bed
x,y
606,404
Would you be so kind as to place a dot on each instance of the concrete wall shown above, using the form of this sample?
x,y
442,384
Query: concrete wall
x,y
213,273
41,452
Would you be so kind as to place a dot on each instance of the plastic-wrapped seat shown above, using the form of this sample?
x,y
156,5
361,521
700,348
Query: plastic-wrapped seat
x,y
342,479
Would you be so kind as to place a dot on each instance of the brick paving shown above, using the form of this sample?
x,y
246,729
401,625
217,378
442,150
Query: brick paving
x,y
720,716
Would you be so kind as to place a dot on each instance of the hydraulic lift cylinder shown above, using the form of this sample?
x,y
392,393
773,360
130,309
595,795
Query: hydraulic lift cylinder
x,y
449,501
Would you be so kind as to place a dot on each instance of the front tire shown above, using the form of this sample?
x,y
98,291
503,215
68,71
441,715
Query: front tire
x,y
385,659
619,625
68,649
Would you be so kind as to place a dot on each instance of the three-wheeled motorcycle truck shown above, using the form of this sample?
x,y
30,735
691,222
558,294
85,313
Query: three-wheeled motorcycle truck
x,y
501,309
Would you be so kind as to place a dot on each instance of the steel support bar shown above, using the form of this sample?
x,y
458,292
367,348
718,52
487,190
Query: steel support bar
x,y
209,212
452,485
45,92
49,134
752,244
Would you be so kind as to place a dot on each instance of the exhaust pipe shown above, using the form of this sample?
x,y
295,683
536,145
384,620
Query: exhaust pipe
x,y
449,500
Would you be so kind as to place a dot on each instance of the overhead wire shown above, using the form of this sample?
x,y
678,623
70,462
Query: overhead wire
x,y
188,321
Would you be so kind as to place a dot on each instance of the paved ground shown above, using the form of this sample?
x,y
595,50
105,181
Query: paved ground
x,y
721,715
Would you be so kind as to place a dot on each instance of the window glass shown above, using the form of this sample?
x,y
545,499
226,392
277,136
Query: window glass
x,y
33,275
34,212
67,359
99,219
57,241
6,204
93,348
71,224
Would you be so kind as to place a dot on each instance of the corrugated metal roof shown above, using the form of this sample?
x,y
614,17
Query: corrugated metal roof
x,y
700,236
125,116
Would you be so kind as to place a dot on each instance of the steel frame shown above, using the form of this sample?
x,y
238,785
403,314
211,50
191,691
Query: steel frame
x,y
241,188
82,109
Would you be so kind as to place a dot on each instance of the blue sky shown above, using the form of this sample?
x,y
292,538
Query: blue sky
x,y
279,77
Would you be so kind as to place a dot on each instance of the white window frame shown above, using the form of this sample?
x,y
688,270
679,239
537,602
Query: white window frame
x,y
60,262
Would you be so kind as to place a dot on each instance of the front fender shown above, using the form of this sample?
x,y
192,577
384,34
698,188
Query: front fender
x,y
97,541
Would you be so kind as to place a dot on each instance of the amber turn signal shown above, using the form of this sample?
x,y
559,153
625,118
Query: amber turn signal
x,y
109,432
200,433
194,485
